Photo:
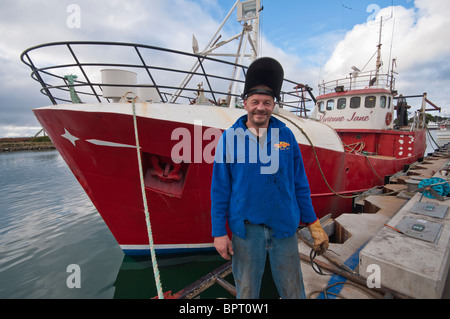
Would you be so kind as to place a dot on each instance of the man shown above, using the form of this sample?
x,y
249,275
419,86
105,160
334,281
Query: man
x,y
263,207
402,111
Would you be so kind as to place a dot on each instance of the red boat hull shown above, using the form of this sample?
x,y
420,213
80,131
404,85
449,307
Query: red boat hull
x,y
99,148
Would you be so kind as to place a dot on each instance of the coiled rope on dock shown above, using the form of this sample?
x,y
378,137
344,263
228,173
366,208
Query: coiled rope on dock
x,y
147,215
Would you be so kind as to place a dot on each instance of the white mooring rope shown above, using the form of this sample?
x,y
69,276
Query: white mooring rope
x,y
147,215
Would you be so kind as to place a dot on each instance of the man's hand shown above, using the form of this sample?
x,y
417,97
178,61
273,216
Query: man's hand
x,y
223,246
320,237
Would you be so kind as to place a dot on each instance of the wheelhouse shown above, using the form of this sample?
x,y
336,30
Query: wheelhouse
x,y
357,109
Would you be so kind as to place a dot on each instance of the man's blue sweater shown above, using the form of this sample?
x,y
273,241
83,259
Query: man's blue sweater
x,y
260,182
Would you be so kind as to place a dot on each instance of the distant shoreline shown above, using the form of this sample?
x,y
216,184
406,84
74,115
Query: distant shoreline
x,y
20,144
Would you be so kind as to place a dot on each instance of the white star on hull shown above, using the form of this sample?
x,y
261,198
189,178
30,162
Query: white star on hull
x,y
70,137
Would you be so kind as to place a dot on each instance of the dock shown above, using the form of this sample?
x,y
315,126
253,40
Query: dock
x,y
384,261
412,251
395,247
21,144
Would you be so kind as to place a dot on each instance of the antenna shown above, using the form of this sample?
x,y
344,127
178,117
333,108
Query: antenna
x,y
195,47
379,63
248,13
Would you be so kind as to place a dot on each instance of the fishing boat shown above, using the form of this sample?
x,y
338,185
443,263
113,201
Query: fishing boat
x,y
371,119
433,126
138,125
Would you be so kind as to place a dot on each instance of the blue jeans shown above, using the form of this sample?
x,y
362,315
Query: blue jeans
x,y
249,261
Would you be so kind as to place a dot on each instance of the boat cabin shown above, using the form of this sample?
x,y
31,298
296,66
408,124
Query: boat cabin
x,y
360,108
365,109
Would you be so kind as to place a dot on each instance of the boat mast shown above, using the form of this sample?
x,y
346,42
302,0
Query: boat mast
x,y
247,10
250,33
256,30
378,65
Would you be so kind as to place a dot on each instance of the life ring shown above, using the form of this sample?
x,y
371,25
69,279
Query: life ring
x,y
389,118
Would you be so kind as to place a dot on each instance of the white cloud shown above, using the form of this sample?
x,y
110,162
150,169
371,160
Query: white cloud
x,y
18,131
421,45
23,24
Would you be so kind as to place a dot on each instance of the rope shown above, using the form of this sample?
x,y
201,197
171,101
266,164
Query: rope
x,y
315,266
337,272
147,215
326,292
359,151
318,270
431,137
317,159
320,167
352,147
371,166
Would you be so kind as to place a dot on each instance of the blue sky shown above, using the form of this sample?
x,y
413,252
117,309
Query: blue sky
x,y
308,20
314,40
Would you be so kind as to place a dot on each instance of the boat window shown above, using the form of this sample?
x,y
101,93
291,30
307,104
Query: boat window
x,y
355,102
330,105
320,106
370,102
383,102
341,103
389,102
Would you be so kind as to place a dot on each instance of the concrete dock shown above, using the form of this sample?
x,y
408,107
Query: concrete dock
x,y
375,254
412,263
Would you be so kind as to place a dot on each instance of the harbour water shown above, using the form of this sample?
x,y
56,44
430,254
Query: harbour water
x,y
48,223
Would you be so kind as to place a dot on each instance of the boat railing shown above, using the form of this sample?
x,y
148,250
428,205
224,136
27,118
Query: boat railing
x,y
70,72
363,80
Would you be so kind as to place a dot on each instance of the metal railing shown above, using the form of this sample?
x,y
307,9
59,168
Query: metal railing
x,y
158,68
363,80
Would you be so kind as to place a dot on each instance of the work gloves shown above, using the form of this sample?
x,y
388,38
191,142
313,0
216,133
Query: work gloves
x,y
320,237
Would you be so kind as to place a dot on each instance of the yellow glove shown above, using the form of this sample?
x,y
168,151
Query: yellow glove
x,y
320,237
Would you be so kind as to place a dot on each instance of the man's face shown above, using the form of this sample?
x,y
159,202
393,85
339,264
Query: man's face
x,y
259,108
